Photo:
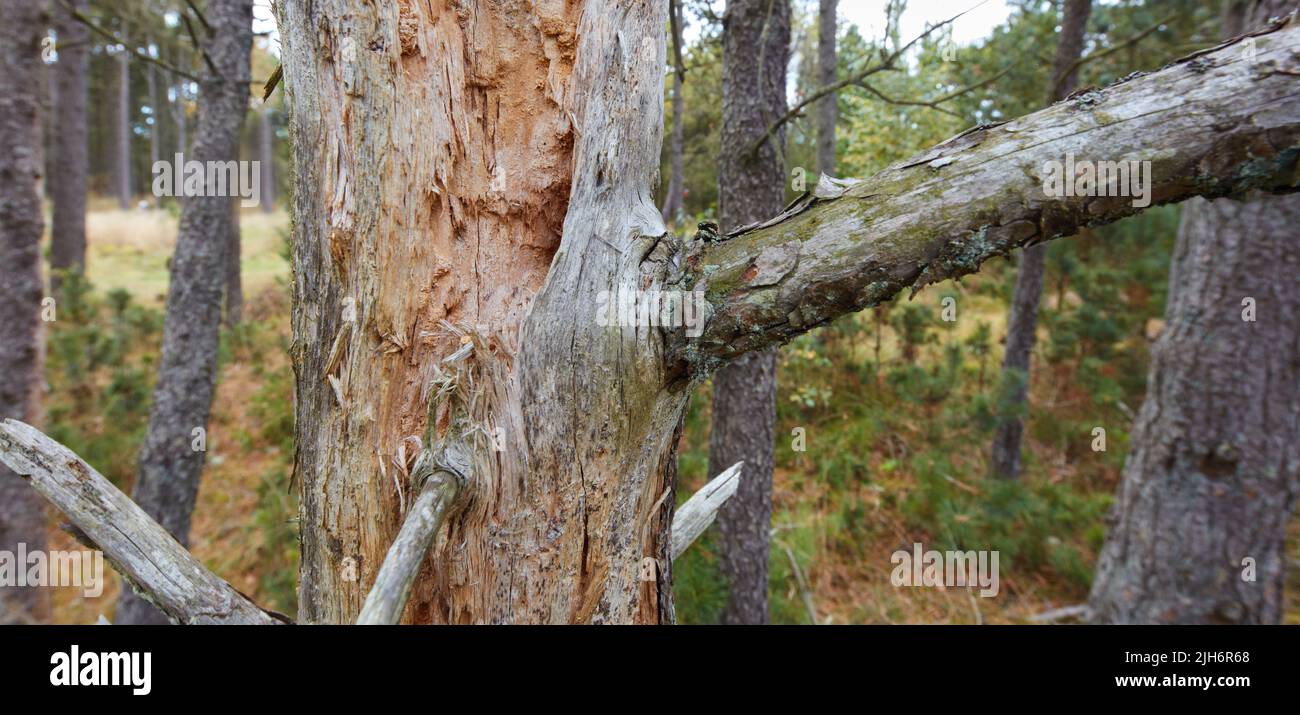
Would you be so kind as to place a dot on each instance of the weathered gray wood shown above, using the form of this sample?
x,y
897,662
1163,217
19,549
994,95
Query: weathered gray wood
x,y
444,479
693,517
158,567
1214,124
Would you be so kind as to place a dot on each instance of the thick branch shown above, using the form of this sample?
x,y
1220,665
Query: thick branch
x,y
702,508
1213,124
444,478
158,567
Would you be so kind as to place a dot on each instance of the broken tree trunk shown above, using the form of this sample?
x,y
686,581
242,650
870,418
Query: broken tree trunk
x,y
485,179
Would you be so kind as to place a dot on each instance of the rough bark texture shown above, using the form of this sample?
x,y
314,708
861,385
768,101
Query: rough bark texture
x,y
827,71
439,149
443,154
22,24
1022,324
169,465
751,187
68,184
1212,124
122,131
1212,474
677,139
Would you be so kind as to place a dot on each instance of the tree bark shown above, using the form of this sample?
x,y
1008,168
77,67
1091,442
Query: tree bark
x,y
1212,474
677,142
68,185
1022,323
827,72
751,187
122,131
468,184
21,225
170,465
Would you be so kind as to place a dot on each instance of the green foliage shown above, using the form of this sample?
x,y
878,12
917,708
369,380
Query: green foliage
x,y
99,366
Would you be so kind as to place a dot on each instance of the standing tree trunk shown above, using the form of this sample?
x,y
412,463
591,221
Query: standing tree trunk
x,y
1022,324
122,131
178,115
151,80
677,140
22,512
751,187
1199,525
68,186
472,186
827,71
266,152
171,460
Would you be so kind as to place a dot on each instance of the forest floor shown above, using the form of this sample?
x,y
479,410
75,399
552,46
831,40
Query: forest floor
x,y
894,451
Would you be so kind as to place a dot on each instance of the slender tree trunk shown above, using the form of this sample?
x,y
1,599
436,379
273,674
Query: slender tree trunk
x,y
152,83
827,71
677,141
751,187
122,132
1198,529
469,189
1022,324
68,187
178,116
22,512
171,460
266,152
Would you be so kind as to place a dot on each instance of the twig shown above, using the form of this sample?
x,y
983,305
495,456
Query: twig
x,y
702,508
441,481
934,103
1109,50
1081,612
76,15
803,586
889,63
207,59
141,550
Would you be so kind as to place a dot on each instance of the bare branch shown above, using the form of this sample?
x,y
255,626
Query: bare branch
x,y
441,481
934,103
890,62
95,28
1109,50
1219,123
207,59
158,567
702,508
